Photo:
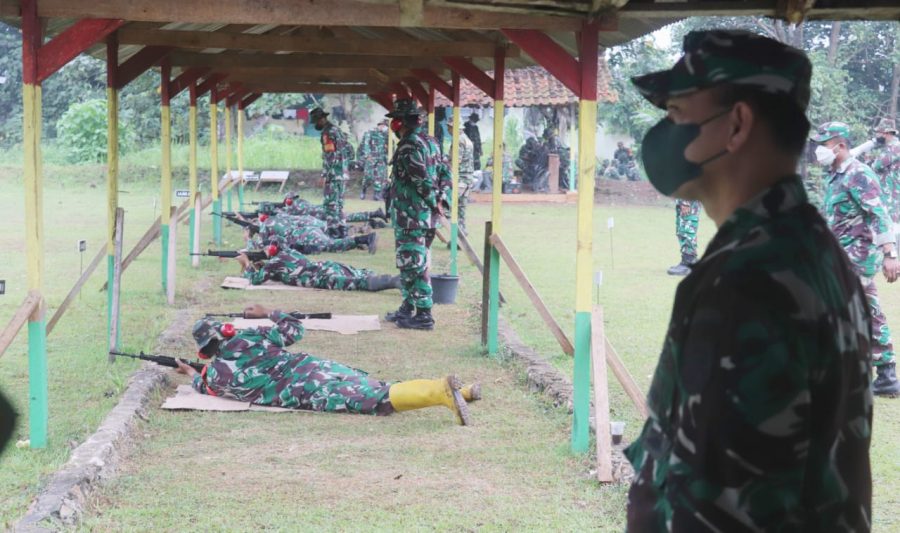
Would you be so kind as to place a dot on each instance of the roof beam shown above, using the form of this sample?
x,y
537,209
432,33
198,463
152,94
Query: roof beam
x,y
72,41
472,73
323,88
550,55
139,63
210,83
201,40
231,60
185,80
306,13
417,90
434,81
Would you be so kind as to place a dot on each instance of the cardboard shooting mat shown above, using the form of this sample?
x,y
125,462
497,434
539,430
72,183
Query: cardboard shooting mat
x,y
343,324
187,399
234,282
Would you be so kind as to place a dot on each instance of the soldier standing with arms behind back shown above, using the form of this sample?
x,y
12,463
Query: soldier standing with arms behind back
x,y
854,207
760,409
414,202
373,154
466,175
335,148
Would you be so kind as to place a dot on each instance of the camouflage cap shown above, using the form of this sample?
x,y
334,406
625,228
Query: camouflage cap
x,y
317,113
715,57
404,107
205,330
830,130
887,125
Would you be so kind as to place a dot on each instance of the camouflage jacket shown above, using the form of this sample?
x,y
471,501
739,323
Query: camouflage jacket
x,y
856,213
415,193
283,225
293,268
336,153
760,406
887,166
299,207
373,147
466,161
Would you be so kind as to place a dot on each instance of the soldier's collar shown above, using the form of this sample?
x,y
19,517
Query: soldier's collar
x,y
845,165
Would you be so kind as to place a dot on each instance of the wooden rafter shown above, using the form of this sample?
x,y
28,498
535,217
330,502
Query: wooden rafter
x,y
231,60
139,63
266,87
200,40
435,81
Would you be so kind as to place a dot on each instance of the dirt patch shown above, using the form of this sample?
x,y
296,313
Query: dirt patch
x,y
615,192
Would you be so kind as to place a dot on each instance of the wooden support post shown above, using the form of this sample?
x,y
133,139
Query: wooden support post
x,y
165,189
170,270
454,168
240,156
195,231
214,165
587,129
228,152
486,283
112,178
625,379
115,291
601,398
532,294
192,167
430,109
496,206
38,413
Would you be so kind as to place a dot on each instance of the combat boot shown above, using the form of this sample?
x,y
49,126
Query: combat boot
x,y
472,392
886,383
421,393
369,240
378,213
422,320
405,311
362,194
383,283
684,267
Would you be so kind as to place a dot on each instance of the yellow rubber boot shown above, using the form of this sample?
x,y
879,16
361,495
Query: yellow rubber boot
x,y
421,393
471,393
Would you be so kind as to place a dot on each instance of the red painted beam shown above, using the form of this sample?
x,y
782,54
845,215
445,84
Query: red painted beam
x,y
165,75
400,91
417,90
547,53
455,97
140,63
383,100
468,70
588,55
434,80
32,37
237,92
430,105
249,100
187,78
75,39
210,83
223,94
112,61
499,73
192,94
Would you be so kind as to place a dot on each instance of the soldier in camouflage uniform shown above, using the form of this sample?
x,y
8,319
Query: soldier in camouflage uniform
x,y
760,408
293,268
687,219
887,165
373,153
307,234
301,207
336,155
856,212
253,365
415,199
466,175
506,173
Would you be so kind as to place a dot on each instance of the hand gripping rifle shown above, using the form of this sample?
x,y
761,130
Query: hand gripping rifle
x,y
252,255
296,314
163,360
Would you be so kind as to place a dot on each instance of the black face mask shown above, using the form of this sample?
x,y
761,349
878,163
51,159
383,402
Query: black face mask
x,y
881,140
662,152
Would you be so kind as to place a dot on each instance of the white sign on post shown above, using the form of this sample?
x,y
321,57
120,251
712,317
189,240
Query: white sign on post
x,y
182,193
598,278
610,223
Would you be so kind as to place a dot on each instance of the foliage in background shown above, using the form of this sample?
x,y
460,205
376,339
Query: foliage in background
x,y
82,131
513,136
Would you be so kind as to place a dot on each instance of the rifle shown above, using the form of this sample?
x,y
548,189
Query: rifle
x,y
252,255
296,314
249,225
235,214
163,360
277,205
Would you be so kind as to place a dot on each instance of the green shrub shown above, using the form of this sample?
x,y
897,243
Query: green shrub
x,y
82,132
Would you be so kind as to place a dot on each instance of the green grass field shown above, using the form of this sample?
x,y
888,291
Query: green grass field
x,y
415,470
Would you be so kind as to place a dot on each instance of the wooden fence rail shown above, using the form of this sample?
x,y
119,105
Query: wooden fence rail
x,y
31,302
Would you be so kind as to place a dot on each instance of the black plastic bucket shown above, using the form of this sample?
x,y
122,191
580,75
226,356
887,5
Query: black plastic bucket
x,y
444,288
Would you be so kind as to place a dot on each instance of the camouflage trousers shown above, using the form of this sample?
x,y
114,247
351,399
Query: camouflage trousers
x,y
464,190
322,385
313,240
299,209
413,260
334,201
374,175
686,229
882,347
329,275
362,216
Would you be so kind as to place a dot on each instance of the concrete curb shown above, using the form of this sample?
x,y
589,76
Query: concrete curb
x,y
61,504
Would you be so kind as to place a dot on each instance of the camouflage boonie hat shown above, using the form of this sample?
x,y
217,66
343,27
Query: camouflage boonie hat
x,y
317,113
205,330
404,107
887,125
830,130
715,57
